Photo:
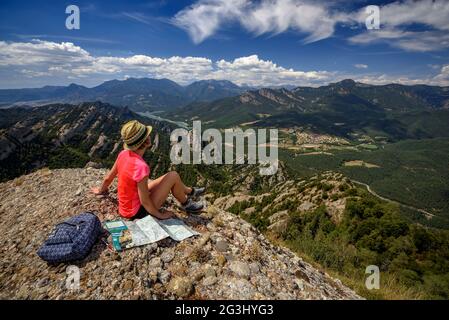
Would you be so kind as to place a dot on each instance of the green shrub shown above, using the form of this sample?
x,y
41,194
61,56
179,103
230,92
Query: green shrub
x,y
373,232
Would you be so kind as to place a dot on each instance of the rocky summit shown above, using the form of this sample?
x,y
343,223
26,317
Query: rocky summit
x,y
229,260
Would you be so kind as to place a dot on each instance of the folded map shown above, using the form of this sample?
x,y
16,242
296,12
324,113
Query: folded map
x,y
128,234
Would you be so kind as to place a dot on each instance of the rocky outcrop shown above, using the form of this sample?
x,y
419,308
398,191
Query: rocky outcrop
x,y
228,260
249,98
301,196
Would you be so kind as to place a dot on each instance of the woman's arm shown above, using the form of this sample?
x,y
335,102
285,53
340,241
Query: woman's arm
x,y
106,181
147,203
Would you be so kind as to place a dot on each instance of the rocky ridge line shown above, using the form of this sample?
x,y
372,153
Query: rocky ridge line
x,y
229,260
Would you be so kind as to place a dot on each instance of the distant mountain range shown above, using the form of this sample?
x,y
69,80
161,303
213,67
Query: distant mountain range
x,y
396,111
143,94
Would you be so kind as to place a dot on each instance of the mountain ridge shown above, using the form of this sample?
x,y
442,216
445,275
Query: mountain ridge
x,y
342,108
140,94
149,94
62,134
229,260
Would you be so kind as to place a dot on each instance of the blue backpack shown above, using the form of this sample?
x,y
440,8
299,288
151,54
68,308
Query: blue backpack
x,y
72,239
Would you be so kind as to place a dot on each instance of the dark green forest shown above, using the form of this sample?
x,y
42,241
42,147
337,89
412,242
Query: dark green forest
x,y
374,233
413,172
413,259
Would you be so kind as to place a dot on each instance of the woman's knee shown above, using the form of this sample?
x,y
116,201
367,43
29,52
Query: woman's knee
x,y
173,175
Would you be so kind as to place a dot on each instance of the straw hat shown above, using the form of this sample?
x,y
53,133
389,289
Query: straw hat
x,y
134,134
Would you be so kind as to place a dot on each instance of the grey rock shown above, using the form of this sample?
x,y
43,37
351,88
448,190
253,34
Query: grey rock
x,y
43,283
299,284
167,256
281,215
239,288
209,271
94,165
305,206
279,227
240,268
181,287
209,281
229,257
222,246
79,191
164,276
284,296
198,274
254,267
155,263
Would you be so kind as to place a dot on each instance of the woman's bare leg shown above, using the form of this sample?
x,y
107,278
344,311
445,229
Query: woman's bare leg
x,y
162,186
154,183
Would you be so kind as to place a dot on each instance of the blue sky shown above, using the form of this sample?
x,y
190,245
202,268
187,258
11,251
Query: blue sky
x,y
259,43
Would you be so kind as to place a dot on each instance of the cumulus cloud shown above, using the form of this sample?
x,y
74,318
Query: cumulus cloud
x,y
40,62
257,72
442,78
439,79
45,60
41,52
382,79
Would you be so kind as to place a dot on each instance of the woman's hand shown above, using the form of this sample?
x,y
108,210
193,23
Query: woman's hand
x,y
106,182
98,191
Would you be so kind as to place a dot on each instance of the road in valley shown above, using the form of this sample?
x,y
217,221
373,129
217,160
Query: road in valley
x,y
427,214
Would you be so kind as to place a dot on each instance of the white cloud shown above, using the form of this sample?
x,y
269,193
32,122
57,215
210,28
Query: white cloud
x,y
317,20
421,41
57,62
278,16
204,18
65,37
434,13
40,63
139,17
382,79
40,52
361,66
256,72
397,17
442,78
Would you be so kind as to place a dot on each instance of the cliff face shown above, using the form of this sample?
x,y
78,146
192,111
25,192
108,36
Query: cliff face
x,y
62,135
229,260
62,124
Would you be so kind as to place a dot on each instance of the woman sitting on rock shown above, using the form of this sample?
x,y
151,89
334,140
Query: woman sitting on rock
x,y
138,196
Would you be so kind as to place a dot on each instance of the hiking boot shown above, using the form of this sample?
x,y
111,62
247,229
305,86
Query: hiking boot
x,y
196,192
191,206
